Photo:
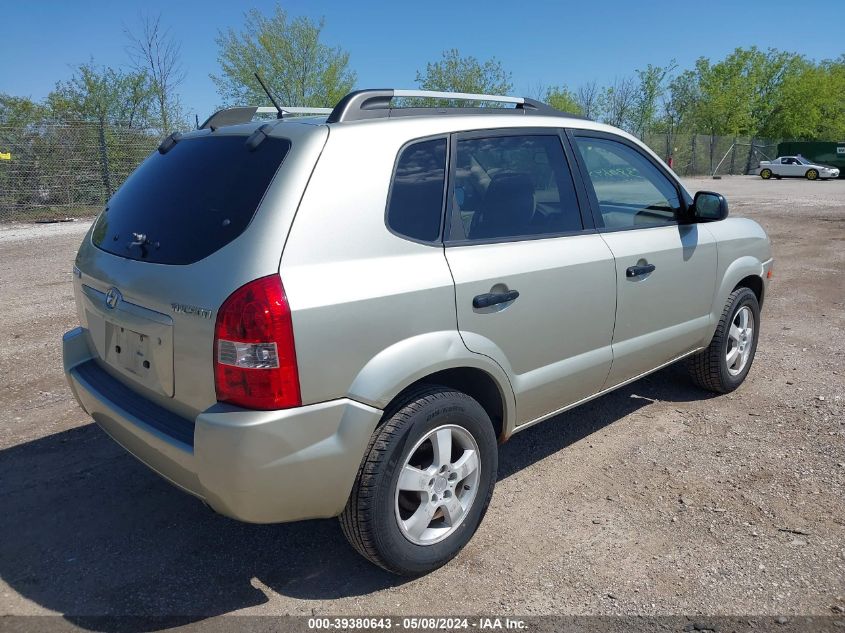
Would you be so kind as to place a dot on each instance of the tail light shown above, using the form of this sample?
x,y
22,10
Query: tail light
x,y
254,353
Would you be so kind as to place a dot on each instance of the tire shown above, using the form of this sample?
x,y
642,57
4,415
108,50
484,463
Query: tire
x,y
765,174
812,174
378,518
710,368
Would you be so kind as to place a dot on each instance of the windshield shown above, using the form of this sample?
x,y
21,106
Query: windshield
x,y
182,206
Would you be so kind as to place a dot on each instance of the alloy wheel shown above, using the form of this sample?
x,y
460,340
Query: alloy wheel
x,y
740,340
437,485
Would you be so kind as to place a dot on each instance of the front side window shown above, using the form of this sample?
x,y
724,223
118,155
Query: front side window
x,y
631,191
415,204
509,187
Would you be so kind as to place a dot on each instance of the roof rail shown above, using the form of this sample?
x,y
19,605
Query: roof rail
x,y
375,104
244,114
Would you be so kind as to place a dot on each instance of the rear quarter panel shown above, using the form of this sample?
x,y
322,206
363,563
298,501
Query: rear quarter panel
x,y
355,289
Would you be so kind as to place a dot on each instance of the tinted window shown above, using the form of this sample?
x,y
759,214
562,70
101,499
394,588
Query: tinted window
x,y
630,190
416,195
513,186
181,206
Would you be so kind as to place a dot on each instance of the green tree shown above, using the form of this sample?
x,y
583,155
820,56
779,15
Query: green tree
x,y
563,99
104,94
619,101
809,104
680,101
117,101
19,111
651,86
724,103
740,94
290,57
453,73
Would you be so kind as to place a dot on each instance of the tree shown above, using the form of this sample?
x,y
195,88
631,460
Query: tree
x,y
17,112
619,101
107,96
725,103
589,100
154,51
809,103
679,101
650,88
767,73
561,98
678,105
290,57
454,73
104,94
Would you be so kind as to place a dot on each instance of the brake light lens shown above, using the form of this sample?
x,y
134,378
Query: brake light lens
x,y
254,353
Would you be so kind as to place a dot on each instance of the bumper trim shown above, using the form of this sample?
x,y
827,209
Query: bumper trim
x,y
98,380
255,466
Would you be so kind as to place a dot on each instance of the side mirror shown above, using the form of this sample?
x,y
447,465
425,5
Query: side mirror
x,y
708,206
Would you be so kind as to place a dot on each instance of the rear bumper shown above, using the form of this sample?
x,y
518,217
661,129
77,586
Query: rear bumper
x,y
256,466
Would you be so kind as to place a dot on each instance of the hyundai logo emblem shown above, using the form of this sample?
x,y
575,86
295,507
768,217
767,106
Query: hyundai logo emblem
x,y
113,297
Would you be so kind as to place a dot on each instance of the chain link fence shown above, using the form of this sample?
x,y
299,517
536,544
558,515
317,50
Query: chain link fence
x,y
705,155
54,171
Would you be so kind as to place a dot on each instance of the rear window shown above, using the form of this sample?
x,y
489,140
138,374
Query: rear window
x,y
182,206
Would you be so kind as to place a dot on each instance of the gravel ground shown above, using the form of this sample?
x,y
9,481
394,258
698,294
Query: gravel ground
x,y
657,499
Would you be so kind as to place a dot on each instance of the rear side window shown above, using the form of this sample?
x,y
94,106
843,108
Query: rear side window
x,y
415,204
508,187
182,206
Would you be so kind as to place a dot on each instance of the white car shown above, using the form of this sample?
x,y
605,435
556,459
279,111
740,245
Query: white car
x,y
795,167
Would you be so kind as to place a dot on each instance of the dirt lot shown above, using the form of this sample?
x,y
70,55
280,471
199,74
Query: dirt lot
x,y
656,499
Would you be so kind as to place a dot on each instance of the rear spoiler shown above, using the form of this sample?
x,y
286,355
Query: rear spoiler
x,y
245,114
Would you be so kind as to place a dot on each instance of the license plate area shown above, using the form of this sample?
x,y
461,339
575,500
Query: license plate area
x,y
135,341
146,356
131,350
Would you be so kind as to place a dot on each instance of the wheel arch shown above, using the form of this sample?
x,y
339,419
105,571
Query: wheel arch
x,y
438,358
755,284
743,271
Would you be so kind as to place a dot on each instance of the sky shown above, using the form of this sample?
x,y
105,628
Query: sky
x,y
539,42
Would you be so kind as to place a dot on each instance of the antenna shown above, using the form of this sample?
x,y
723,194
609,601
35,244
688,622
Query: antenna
x,y
269,94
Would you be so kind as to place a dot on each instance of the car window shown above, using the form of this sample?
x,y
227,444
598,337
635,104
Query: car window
x,y
416,194
630,190
513,186
183,205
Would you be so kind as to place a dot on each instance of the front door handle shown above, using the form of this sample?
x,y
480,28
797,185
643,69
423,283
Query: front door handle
x,y
494,298
637,271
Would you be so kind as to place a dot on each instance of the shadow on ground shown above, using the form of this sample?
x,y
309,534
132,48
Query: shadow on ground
x,y
88,531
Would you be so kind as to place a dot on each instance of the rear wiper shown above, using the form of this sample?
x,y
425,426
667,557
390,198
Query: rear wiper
x,y
141,240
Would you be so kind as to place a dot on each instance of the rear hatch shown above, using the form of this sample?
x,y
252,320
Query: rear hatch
x,y
187,228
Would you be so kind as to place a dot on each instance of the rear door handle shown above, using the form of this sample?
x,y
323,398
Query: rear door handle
x,y
636,271
494,298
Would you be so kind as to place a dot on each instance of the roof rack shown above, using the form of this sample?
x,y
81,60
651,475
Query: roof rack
x,y
375,103
245,114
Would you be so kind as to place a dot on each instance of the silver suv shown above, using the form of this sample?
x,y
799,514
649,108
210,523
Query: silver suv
x,y
344,315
